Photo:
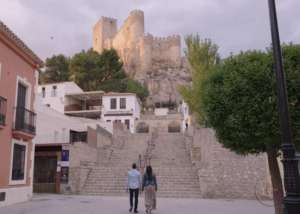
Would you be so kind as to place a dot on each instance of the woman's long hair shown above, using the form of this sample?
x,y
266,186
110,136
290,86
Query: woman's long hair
x,y
149,171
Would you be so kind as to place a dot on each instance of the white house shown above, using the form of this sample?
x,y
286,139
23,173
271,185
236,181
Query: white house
x,y
55,133
104,108
121,107
53,94
53,127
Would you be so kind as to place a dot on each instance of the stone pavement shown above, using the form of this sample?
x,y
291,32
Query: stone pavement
x,y
73,204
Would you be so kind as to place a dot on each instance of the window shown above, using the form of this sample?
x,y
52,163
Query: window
x,y
78,136
127,123
113,103
22,95
142,127
53,92
18,163
43,92
122,103
2,110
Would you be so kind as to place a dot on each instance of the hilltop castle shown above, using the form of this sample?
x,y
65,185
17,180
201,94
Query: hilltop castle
x,y
154,61
138,51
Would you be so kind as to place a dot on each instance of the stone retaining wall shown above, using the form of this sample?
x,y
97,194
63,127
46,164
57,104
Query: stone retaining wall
x,y
224,174
79,153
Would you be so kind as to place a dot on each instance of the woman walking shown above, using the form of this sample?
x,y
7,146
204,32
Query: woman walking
x,y
150,187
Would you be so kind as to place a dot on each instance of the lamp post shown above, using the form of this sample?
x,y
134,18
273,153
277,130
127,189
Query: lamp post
x,y
291,201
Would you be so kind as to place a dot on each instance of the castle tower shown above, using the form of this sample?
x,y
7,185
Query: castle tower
x,y
137,25
103,33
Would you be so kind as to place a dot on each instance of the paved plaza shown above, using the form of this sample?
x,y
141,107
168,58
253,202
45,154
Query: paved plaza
x,y
67,204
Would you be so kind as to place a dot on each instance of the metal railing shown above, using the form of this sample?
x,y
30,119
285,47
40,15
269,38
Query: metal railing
x,y
3,103
25,120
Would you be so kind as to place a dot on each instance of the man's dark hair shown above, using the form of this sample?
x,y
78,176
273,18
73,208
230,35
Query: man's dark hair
x,y
133,166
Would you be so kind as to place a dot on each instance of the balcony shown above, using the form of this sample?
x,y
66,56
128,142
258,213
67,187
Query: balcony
x,y
24,126
92,112
84,104
119,112
2,111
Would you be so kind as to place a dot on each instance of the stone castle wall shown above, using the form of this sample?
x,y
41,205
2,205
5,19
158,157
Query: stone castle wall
x,y
103,32
138,51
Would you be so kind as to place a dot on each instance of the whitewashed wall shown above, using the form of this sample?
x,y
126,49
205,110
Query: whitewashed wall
x,y
132,106
58,102
53,126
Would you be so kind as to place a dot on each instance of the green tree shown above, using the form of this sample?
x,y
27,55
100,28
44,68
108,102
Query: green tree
x,y
202,56
56,69
93,71
239,102
136,87
114,85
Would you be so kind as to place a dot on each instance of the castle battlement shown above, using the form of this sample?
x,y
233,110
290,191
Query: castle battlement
x,y
148,36
172,39
168,41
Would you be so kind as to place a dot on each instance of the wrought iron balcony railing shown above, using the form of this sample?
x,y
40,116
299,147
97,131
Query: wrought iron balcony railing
x,y
25,120
2,111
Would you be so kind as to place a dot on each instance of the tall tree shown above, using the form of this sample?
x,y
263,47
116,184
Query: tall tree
x,y
202,56
56,69
239,101
93,71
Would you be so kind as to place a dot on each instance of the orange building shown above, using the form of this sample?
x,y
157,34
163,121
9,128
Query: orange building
x,y
18,85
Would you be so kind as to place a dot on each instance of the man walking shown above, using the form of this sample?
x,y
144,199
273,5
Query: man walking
x,y
134,183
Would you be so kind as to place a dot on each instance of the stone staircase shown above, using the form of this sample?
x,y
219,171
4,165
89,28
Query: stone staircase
x,y
109,175
166,152
172,165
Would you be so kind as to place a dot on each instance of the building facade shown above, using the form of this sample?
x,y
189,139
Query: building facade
x,y
121,107
97,106
18,84
53,95
52,143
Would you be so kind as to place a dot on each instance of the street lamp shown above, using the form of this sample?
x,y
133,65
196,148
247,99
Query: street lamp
x,y
291,201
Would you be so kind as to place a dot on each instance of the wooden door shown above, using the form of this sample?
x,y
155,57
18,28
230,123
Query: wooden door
x,y
45,174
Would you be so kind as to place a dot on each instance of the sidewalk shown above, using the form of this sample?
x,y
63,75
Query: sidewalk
x,y
65,204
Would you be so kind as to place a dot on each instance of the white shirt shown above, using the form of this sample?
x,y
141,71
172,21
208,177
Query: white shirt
x,y
134,179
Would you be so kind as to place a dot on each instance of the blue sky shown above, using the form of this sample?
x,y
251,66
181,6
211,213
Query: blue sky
x,y
65,26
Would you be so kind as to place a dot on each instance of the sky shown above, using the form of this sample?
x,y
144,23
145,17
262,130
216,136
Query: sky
x,y
51,27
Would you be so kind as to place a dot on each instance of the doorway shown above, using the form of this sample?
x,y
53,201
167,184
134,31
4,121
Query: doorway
x,y
45,175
